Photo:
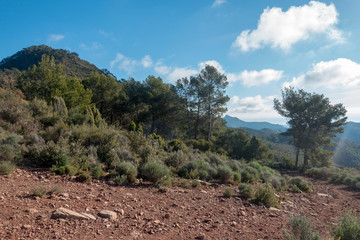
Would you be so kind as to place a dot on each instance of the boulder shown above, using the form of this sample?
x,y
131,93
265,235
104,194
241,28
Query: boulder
x,y
69,214
108,214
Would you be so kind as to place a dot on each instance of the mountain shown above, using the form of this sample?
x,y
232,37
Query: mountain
x,y
27,57
351,132
234,122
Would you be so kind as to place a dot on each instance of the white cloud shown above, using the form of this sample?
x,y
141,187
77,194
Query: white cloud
x,y
339,73
283,29
213,63
252,108
256,78
117,59
218,3
91,47
146,61
55,37
178,73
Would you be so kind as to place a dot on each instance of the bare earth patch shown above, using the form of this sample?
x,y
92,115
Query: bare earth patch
x,y
142,212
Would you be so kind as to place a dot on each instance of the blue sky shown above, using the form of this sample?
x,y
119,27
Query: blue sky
x,y
260,45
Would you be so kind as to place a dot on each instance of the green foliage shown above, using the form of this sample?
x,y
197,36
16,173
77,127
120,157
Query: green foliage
x,y
237,177
121,180
62,170
301,183
264,194
246,191
39,191
301,229
313,123
127,169
348,227
96,171
227,193
294,188
56,190
225,174
6,167
154,171
84,177
176,145
249,174
196,170
132,127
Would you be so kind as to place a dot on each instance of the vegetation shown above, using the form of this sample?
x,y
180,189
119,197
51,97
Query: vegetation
x,y
228,193
265,194
348,227
301,228
313,122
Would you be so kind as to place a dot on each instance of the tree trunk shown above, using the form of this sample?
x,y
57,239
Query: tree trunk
x,y
306,158
297,156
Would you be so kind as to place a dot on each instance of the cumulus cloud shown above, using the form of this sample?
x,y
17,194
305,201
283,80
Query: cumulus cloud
x,y
146,61
218,3
283,29
339,73
129,65
55,37
256,78
92,46
252,108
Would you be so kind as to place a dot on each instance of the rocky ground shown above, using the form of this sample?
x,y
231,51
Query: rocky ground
x,y
142,212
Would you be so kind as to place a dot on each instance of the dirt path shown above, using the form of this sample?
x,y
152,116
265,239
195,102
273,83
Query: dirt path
x,y
144,213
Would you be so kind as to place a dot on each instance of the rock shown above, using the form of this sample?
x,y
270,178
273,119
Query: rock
x,y
323,195
157,221
65,195
69,214
243,213
200,237
274,209
233,224
167,215
32,210
26,227
108,214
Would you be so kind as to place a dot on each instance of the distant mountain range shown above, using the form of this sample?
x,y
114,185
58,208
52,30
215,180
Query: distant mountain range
x,y
234,122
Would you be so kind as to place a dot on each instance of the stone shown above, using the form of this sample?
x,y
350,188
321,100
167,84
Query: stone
x,y
32,210
274,209
26,227
65,195
69,214
233,224
108,214
323,195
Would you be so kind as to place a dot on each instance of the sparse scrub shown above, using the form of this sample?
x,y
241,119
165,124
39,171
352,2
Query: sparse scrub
x,y
246,191
96,171
84,177
6,167
39,191
127,169
120,180
301,183
301,229
56,190
154,171
225,174
249,174
264,194
227,193
348,227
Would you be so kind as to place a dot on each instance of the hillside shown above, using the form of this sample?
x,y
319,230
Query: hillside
x,y
351,132
237,123
27,57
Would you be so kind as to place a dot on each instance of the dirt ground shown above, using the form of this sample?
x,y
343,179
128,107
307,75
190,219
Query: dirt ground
x,y
145,213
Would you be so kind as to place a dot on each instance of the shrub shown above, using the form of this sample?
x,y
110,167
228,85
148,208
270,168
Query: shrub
x,y
256,165
228,193
6,168
84,177
154,171
68,169
176,145
120,180
348,228
194,170
127,169
237,177
249,174
265,194
96,171
246,191
39,191
195,184
61,160
301,228
294,188
301,183
176,159
57,190
225,174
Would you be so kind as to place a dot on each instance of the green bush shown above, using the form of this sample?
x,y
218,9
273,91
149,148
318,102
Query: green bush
x,y
348,227
154,171
39,191
120,180
176,145
294,188
6,168
96,171
84,177
68,169
249,174
195,170
228,193
127,169
256,165
237,177
246,191
301,228
265,194
61,160
225,174
57,190
301,183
